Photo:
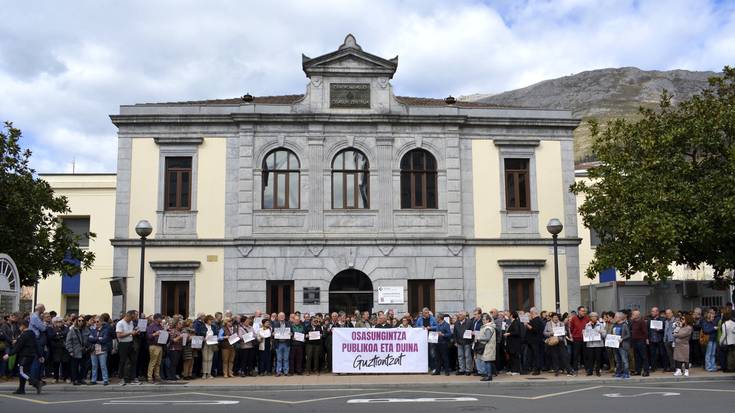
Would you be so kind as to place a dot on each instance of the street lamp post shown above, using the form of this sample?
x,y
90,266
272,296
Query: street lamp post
x,y
554,227
143,229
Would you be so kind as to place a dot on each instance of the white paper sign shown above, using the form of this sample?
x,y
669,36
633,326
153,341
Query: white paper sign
x,y
257,322
283,334
433,337
315,335
467,334
524,319
560,331
298,336
233,339
591,335
265,333
657,324
142,325
212,339
612,341
504,326
184,338
197,341
162,337
390,295
248,337
365,351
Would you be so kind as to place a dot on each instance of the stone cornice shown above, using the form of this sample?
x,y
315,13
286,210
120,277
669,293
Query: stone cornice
x,y
169,265
521,263
306,240
463,120
170,140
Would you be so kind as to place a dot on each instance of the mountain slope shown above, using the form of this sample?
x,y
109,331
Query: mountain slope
x,y
602,94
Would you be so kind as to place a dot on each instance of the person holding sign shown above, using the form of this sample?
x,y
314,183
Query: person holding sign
x,y
556,335
265,342
442,345
656,341
314,333
682,335
593,335
210,344
514,343
621,330
463,338
227,338
187,353
155,349
297,345
282,339
174,350
246,351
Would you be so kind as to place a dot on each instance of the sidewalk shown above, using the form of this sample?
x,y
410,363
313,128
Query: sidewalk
x,y
376,381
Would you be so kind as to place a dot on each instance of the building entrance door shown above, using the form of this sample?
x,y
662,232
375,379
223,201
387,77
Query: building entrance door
x,y
351,290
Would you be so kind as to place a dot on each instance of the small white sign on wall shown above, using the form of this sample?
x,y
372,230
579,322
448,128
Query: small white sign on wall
x,y
390,295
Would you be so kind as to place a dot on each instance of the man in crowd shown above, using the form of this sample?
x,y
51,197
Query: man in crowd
x,y
669,337
476,325
155,350
125,331
535,339
656,340
442,345
639,336
282,339
463,338
576,327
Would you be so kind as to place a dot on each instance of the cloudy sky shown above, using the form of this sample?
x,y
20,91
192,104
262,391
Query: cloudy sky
x,y
65,66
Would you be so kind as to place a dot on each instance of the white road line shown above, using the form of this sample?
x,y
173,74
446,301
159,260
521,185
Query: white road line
x,y
561,393
170,402
652,393
671,388
419,400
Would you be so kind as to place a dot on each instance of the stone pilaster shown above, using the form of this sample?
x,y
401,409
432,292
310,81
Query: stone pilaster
x,y
384,202
316,167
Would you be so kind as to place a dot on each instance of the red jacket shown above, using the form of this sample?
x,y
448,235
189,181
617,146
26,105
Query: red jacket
x,y
639,330
576,326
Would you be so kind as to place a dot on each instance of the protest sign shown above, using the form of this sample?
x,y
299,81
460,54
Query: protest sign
x,y
612,341
362,350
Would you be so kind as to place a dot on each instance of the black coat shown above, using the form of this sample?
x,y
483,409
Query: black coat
x,y
514,340
57,344
25,346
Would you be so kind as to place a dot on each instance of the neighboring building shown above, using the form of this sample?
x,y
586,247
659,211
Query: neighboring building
x,y
687,289
91,199
346,197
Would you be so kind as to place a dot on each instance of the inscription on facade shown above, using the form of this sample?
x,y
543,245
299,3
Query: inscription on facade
x,y
349,95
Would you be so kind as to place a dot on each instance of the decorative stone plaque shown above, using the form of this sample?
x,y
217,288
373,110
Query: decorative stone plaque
x,y
349,95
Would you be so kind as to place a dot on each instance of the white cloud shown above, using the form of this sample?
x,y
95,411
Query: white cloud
x,y
64,67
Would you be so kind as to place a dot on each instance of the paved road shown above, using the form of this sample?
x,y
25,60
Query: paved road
x,y
659,397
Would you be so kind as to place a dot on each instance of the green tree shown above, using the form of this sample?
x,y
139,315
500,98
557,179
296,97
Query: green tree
x,y
31,231
664,191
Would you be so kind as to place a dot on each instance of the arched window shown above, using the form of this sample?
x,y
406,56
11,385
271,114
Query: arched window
x,y
418,180
281,180
350,180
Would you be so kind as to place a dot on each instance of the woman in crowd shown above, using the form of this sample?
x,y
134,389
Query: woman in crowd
x,y
175,349
727,341
593,348
246,349
207,348
486,341
187,354
622,330
513,341
58,356
556,344
709,334
100,339
264,336
76,345
682,334
228,350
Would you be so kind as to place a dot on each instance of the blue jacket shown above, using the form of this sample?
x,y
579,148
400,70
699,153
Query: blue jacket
x,y
445,330
709,328
101,336
200,329
432,323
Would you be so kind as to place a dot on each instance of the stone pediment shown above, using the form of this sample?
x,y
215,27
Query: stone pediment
x,y
349,60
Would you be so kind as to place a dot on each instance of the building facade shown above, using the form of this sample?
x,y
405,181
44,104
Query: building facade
x,y
346,197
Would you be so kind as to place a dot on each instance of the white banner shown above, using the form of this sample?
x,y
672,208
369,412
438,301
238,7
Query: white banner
x,y
390,295
365,350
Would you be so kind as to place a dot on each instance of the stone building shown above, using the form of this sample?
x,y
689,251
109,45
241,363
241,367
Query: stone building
x,y
345,197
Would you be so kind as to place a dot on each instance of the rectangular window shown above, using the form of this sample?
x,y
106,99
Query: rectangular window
x,y
420,295
175,298
80,227
178,183
517,185
520,294
71,304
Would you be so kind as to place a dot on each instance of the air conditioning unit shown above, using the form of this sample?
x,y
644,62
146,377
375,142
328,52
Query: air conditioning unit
x,y
691,289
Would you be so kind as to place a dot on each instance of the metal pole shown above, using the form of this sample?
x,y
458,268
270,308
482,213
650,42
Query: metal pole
x,y
142,279
35,296
556,274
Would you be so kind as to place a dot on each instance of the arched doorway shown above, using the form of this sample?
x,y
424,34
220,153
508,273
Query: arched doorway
x,y
351,290
9,285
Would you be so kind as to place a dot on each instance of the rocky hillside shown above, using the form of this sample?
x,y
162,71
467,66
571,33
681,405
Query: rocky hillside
x,y
602,94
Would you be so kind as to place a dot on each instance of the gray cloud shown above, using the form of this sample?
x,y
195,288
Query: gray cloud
x,y
64,67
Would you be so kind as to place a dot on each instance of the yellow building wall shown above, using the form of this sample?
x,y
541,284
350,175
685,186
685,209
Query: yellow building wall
x,y
93,196
486,188
549,185
143,184
491,289
211,188
208,278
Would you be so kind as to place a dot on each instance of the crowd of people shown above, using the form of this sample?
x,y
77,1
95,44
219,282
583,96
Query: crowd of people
x,y
87,349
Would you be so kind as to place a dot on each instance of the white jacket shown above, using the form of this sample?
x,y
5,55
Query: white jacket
x,y
728,333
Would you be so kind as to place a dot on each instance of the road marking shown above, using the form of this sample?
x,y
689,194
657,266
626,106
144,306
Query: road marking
x,y
171,402
561,393
8,396
419,400
295,402
672,388
652,393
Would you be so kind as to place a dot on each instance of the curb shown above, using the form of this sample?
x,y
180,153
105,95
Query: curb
x,y
175,388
